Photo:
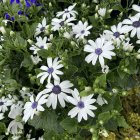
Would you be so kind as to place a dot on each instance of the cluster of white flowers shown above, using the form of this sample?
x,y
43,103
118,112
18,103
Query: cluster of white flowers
x,y
58,92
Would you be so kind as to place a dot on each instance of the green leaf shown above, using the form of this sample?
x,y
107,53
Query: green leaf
x,y
69,125
121,121
113,104
20,43
27,62
100,82
47,120
2,127
49,135
105,116
111,125
11,84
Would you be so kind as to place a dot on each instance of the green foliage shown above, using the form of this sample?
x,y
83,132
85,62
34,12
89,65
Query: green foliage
x,y
70,125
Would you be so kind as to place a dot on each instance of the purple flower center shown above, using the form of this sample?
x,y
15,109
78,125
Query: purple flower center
x,y
42,47
50,70
1,103
83,31
80,104
136,24
42,29
34,105
62,23
56,89
98,51
116,34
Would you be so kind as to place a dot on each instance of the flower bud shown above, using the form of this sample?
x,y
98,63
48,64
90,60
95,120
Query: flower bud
x,y
67,35
50,4
96,16
30,41
83,5
2,29
138,56
11,33
96,8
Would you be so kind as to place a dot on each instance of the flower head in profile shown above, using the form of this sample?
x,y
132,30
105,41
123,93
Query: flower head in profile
x,y
81,29
133,25
15,125
51,70
83,106
68,12
102,12
41,27
40,44
99,49
34,106
57,93
100,100
4,104
58,24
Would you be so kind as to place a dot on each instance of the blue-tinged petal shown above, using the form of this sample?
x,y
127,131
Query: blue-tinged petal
x,y
11,1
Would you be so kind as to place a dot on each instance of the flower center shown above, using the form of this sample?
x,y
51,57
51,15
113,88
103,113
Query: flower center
x,y
34,105
98,51
50,70
62,23
80,104
56,89
83,31
116,34
136,24
1,103
42,29
42,47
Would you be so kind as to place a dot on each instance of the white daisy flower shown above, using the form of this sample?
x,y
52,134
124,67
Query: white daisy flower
x,y
16,110
117,33
58,24
51,70
99,49
83,106
1,116
41,27
68,12
57,91
100,100
4,103
14,127
34,106
102,12
133,25
40,44
81,29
